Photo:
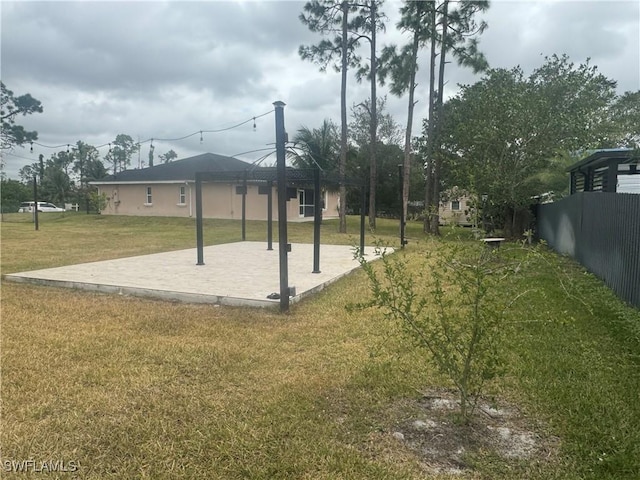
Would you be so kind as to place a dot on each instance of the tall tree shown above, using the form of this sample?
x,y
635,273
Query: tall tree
x,y
64,160
625,121
369,23
388,131
458,35
388,137
401,67
507,129
167,157
11,107
27,173
12,194
83,155
331,18
120,152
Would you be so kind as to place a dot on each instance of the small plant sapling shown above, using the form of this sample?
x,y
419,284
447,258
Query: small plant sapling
x,y
452,306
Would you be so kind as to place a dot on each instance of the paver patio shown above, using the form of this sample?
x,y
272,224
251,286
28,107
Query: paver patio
x,y
241,273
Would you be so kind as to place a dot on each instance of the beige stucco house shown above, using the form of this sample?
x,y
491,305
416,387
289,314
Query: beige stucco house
x,y
168,190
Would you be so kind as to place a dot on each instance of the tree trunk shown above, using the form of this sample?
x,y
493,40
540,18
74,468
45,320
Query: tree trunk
x,y
407,138
436,144
428,184
373,123
342,212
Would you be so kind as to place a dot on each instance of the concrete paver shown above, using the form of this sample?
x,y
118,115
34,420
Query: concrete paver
x,y
241,273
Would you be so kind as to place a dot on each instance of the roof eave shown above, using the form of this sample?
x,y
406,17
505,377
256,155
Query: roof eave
x,y
600,157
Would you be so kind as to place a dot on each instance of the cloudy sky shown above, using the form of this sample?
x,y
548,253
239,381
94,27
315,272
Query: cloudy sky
x,y
169,69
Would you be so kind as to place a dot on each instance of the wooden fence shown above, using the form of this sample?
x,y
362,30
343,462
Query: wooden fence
x,y
601,231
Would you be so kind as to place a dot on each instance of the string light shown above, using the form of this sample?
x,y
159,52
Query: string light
x,y
201,132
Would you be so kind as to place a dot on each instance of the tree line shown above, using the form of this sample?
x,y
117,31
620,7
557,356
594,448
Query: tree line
x,y
64,177
500,141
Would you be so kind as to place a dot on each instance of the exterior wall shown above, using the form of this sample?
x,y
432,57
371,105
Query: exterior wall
x,y
332,202
219,200
132,200
459,216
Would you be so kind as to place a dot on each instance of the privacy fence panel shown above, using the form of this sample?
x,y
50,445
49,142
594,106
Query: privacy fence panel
x,y
602,231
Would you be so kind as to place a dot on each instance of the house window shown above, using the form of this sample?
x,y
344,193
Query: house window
x,y
149,199
455,205
182,198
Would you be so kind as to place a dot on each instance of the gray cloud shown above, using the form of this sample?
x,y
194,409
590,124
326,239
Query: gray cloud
x,y
166,69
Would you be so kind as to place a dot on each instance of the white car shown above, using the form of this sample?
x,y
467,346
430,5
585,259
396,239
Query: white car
x,y
26,207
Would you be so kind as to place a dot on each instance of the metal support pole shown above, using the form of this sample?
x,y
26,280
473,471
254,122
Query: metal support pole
x,y
244,206
270,215
282,206
363,215
199,233
317,219
35,202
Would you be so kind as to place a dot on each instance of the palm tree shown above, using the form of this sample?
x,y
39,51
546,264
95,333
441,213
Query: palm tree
x,y
318,147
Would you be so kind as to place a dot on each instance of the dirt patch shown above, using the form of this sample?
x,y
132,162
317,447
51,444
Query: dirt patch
x,y
445,444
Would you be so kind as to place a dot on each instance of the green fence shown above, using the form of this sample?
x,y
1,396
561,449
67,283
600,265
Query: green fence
x,y
601,231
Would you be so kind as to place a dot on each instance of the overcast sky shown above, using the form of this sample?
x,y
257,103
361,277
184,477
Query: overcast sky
x,y
168,69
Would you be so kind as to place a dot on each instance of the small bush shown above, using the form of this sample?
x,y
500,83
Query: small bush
x,y
453,306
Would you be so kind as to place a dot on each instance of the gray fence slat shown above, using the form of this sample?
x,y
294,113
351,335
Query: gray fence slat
x,y
600,230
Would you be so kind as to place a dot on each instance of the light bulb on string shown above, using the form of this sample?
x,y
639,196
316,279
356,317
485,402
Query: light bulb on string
x,y
254,124
200,137
109,147
31,147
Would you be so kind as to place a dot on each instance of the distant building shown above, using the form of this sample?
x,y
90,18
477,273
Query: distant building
x,y
168,190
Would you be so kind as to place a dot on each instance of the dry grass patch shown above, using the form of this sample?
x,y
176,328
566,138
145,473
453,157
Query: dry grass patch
x,y
130,387
134,388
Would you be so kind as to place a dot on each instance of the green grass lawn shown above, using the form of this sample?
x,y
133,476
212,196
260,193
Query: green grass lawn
x,y
136,388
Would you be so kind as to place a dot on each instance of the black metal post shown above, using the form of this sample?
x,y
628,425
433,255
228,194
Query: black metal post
x,y
317,219
35,202
403,214
282,206
244,206
199,233
270,215
363,215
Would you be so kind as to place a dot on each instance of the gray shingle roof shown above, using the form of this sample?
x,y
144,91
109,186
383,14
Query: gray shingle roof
x,y
180,170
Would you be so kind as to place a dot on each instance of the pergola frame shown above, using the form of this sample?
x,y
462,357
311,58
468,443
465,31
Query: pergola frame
x,y
265,177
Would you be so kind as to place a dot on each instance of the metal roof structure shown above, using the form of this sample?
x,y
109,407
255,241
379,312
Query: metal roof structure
x,y
600,170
